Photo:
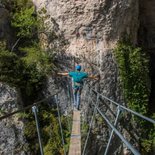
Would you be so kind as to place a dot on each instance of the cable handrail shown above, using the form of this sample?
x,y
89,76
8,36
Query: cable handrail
x,y
60,124
134,151
90,126
113,127
125,108
28,107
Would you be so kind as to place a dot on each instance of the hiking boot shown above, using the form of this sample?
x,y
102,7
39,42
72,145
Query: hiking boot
x,y
78,108
75,109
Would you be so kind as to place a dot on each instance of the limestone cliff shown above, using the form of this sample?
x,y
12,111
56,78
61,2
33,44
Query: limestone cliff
x,y
85,32
12,139
5,31
92,29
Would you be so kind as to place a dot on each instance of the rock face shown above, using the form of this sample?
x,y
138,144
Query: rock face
x,y
146,39
12,139
92,28
5,30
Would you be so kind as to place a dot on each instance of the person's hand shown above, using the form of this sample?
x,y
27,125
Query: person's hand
x,y
63,74
97,77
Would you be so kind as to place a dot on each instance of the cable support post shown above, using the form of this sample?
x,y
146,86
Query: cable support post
x,y
59,119
133,150
115,124
120,108
28,107
94,113
35,110
125,108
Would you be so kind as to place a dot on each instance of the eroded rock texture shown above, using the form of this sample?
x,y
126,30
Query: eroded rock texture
x,y
12,140
91,29
146,39
5,30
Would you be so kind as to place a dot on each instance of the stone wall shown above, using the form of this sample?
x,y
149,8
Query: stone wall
x,y
5,31
12,140
146,39
92,29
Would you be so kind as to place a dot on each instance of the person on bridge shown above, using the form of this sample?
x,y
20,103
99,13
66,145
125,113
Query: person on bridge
x,y
78,76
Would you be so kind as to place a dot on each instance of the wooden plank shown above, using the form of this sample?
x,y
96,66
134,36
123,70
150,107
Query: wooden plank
x,y
75,142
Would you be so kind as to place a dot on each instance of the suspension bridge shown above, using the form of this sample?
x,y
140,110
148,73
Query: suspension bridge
x,y
96,101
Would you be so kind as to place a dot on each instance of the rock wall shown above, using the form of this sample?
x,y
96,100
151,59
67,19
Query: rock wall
x,y
5,31
92,29
146,39
88,30
12,140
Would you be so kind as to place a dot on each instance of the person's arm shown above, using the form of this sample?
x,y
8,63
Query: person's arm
x,y
96,77
63,74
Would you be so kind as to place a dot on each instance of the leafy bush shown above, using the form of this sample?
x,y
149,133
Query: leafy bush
x,y
25,22
27,73
133,66
49,129
11,68
41,59
27,66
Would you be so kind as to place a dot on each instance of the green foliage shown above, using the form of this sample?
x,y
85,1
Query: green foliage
x,y
25,22
28,72
133,69
16,5
84,128
34,56
134,76
13,69
27,66
3,45
50,131
10,68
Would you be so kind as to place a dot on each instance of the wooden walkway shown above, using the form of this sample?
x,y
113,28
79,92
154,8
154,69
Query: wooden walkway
x,y
75,142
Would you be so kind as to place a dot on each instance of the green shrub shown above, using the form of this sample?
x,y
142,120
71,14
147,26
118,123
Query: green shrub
x,y
27,73
133,64
41,59
49,129
25,22
134,75
10,68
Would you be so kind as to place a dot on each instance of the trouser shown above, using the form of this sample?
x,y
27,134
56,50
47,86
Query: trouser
x,y
77,97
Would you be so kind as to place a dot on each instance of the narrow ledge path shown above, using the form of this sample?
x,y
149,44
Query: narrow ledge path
x,y
75,142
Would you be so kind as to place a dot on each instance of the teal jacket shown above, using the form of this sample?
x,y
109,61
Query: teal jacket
x,y
78,77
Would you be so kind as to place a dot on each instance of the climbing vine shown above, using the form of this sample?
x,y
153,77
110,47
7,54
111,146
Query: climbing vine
x,y
26,67
134,75
49,129
133,64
